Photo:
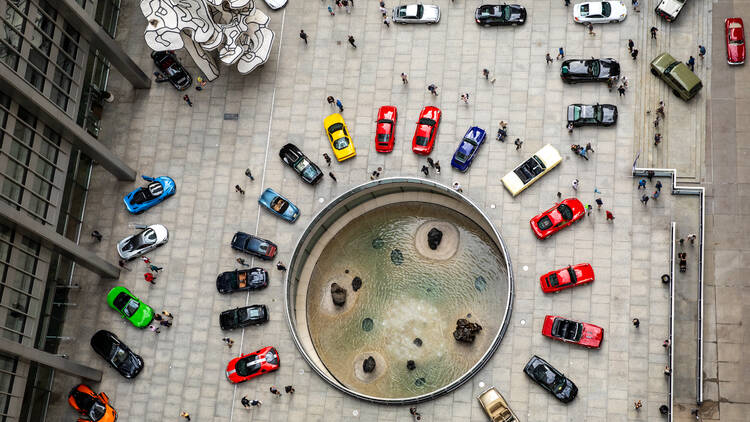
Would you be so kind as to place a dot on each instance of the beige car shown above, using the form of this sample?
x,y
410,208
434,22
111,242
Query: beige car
x,y
531,170
496,407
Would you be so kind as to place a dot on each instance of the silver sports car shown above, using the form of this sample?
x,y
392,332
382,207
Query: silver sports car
x,y
143,242
416,13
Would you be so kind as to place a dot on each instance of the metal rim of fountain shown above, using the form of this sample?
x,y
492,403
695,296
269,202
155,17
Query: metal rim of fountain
x,y
397,184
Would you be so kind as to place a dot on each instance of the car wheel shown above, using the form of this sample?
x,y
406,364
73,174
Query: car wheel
x,y
654,72
674,91
614,21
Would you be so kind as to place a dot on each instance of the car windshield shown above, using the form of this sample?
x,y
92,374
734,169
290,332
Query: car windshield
x,y
530,169
599,114
301,165
736,42
335,128
572,275
252,313
309,173
248,366
420,10
606,8
506,13
565,211
97,411
383,138
576,113
544,376
460,157
593,67
279,205
385,121
130,309
426,121
584,9
422,140
254,245
119,356
341,143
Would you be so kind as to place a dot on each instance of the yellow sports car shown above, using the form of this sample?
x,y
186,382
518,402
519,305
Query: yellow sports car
x,y
338,135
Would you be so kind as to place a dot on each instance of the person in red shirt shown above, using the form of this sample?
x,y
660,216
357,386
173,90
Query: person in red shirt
x,y
149,277
610,216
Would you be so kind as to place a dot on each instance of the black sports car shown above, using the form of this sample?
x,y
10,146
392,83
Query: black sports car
x,y
500,14
117,354
551,379
592,115
241,280
167,62
294,158
262,248
589,70
243,317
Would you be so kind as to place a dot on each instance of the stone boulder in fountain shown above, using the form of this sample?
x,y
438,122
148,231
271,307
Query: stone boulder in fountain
x,y
410,365
368,365
356,283
338,294
466,331
434,236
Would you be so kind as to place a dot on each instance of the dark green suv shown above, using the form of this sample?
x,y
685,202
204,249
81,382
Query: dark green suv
x,y
684,83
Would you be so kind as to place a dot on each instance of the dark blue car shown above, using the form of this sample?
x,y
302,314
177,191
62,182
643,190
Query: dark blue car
x,y
145,197
468,148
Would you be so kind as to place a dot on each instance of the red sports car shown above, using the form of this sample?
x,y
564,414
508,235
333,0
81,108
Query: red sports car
x,y
570,276
557,218
94,407
385,131
251,365
735,31
569,331
427,126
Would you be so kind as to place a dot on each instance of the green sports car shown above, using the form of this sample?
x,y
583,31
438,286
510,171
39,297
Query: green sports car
x,y
130,307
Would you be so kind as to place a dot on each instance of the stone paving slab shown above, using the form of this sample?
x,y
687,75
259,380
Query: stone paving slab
x,y
285,101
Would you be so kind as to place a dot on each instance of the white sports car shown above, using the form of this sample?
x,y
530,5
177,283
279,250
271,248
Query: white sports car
x,y
600,12
416,13
143,242
531,170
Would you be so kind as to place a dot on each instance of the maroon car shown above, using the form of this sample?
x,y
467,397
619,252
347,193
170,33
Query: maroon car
x,y
735,37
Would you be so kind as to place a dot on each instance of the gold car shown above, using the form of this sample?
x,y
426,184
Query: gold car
x,y
338,135
496,407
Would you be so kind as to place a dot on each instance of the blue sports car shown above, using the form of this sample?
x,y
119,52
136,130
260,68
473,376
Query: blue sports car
x,y
145,197
279,205
468,148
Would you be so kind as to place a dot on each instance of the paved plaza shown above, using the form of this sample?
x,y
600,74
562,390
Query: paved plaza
x,y
157,133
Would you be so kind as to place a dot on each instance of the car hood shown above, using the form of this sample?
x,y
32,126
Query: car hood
x,y
684,76
568,392
132,366
517,13
143,316
276,4
736,52
670,7
431,12
609,113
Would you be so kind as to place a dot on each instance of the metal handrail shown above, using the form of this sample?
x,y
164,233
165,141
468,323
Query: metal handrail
x,y
701,192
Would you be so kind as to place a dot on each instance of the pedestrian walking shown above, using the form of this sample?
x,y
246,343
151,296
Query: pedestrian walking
x,y
574,183
154,328
383,11
621,90
280,266
96,235
636,322
339,4
666,343
415,414
433,89
691,238
289,389
582,153
457,187
386,22
346,6
636,6
242,262
465,98
245,402
185,415
437,166
610,216
404,78
589,148
275,391
303,35
238,189
149,277
330,173
682,244
486,74
657,139
624,81
351,41
330,10
548,58
249,174
644,200
146,260
591,29
658,185
631,44
327,158
567,3
701,51
589,208
518,142
559,195
228,341
660,109
425,170
187,100
256,403
634,54
154,268
656,121
656,194
167,315
165,323
637,405
691,63
431,162
331,100
653,32
340,105
570,127
599,203
560,53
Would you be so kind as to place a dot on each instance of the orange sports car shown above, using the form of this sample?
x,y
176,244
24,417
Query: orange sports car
x,y
95,407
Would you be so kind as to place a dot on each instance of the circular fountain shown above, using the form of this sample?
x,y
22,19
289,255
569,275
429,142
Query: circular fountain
x,y
378,281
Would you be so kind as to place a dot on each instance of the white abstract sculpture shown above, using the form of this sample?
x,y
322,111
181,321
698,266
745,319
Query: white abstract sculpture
x,y
235,27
